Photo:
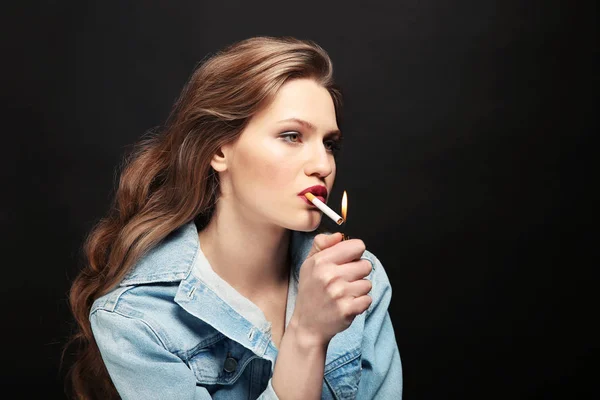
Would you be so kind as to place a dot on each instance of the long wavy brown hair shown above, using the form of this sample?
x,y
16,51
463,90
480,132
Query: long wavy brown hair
x,y
167,181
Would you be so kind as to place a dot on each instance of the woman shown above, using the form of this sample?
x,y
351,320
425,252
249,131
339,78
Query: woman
x,y
206,279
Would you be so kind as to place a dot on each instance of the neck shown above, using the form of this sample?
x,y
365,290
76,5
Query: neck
x,y
251,257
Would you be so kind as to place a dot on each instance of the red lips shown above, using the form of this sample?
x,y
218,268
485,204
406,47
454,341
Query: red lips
x,y
317,190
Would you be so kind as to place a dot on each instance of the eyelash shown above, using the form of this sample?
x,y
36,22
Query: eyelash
x,y
336,144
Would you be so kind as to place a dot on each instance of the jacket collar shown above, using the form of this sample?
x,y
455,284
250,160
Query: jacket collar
x,y
173,258
179,258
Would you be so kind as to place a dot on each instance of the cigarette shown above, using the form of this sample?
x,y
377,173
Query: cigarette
x,y
323,207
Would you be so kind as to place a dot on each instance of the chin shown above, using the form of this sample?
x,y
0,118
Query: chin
x,y
307,230
307,226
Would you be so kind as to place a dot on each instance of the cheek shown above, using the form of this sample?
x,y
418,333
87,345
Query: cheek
x,y
282,175
268,167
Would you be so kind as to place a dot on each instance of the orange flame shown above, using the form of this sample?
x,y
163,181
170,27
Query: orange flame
x,y
344,205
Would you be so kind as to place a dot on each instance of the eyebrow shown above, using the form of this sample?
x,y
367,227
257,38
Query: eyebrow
x,y
312,127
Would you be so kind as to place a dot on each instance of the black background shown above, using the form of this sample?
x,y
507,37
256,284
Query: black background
x,y
467,157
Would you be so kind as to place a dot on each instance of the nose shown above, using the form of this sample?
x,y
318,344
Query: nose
x,y
320,163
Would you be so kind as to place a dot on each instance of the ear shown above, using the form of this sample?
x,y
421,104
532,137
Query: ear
x,y
219,160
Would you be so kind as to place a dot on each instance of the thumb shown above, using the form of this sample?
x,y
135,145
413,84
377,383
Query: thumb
x,y
323,241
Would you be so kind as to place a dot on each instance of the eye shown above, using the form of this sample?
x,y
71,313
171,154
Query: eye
x,y
291,135
335,145
332,146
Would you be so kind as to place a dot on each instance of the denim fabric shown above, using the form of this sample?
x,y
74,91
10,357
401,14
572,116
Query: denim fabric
x,y
173,329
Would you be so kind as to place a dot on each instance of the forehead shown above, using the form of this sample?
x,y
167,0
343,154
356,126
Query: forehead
x,y
303,99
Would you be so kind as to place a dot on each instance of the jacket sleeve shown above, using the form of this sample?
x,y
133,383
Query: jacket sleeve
x,y
139,364
381,376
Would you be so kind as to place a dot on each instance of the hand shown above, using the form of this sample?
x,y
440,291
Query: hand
x,y
331,291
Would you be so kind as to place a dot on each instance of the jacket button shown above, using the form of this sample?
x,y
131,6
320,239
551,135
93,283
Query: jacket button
x,y
230,364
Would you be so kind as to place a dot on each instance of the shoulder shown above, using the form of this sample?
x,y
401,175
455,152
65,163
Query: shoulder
x,y
149,305
378,271
171,260
381,291
148,310
139,301
148,290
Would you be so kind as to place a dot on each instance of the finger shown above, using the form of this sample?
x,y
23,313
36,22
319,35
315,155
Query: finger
x,y
358,288
354,270
360,304
323,241
344,251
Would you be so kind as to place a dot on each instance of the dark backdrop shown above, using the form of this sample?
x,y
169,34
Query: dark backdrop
x,y
467,127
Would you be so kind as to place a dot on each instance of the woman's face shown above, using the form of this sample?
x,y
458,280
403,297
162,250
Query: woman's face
x,y
277,157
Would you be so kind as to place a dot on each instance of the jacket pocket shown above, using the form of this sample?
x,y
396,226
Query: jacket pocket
x,y
220,363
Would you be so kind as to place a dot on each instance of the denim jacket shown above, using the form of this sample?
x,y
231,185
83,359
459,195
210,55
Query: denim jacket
x,y
173,329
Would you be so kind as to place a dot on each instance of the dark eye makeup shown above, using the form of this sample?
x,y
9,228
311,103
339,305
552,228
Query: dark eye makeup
x,y
334,143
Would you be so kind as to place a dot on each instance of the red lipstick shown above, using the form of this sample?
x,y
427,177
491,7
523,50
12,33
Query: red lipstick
x,y
318,190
